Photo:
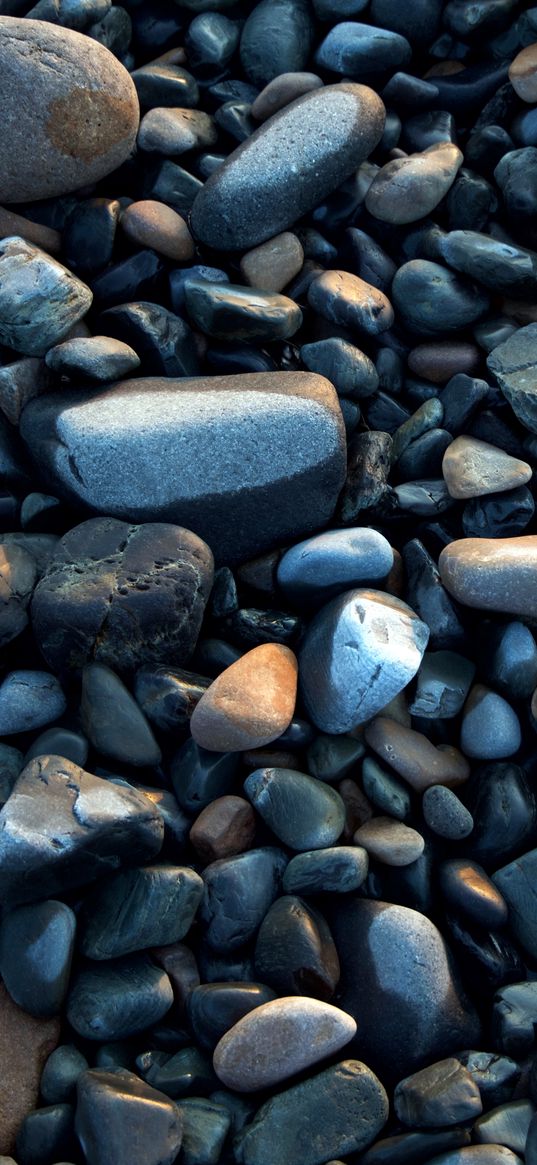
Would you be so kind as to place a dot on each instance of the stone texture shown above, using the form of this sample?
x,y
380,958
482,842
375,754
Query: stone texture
x,y
117,998
523,74
223,828
250,461
18,574
333,561
279,1039
112,720
70,110
494,574
514,366
516,882
414,756
25,1045
345,299
119,1117
389,841
274,263
289,165
472,468
99,358
40,299
303,812
250,703
442,1094
136,909
409,188
153,224
28,700
36,949
283,89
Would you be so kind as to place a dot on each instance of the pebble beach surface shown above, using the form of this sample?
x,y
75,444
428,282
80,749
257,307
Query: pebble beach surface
x,y
268,582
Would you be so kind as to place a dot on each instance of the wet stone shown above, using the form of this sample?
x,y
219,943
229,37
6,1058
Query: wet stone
x,y
163,341
118,1116
445,813
338,869
137,909
199,776
238,893
301,811
112,720
432,300
36,949
490,728
495,1075
205,1128
472,468
215,1008
351,372
515,883
46,1134
414,756
295,952
361,50
337,560
408,189
53,297
498,515
118,999
495,574
506,1125
60,1074
345,299
390,841
281,91
385,791
442,1094
98,358
168,697
414,1146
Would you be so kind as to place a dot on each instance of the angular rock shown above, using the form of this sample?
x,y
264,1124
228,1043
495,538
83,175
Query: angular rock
x,y
513,365
472,468
118,998
25,1044
295,951
36,949
137,909
288,166
281,433
119,1117
443,683
250,703
494,574
442,1094
40,299
303,812
516,883
407,189
70,109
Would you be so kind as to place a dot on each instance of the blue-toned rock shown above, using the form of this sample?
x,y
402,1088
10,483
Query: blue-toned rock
x,y
28,700
136,909
334,561
490,728
276,38
118,998
119,1117
517,884
301,811
36,949
361,50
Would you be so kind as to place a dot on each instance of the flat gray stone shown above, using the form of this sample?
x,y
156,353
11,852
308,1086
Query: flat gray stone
x,y
40,300
247,461
288,166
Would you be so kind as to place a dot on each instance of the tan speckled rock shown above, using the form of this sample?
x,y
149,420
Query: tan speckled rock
x,y
250,703
69,110
390,841
25,1044
407,189
523,74
495,574
153,224
273,264
473,468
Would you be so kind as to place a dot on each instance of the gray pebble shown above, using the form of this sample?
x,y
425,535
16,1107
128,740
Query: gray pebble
x,y
445,813
95,357
443,683
40,300
28,700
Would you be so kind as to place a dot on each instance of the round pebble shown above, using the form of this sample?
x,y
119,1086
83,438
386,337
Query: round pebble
x,y
445,813
490,728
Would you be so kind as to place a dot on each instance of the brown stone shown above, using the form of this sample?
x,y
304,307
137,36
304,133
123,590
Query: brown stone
x,y
153,224
394,583
357,807
523,74
283,89
414,757
178,961
273,264
250,703
390,841
439,360
223,828
494,574
34,232
473,468
25,1045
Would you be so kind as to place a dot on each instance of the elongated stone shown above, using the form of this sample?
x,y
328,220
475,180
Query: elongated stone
x,y
36,949
288,166
141,908
279,1039
347,300
407,189
516,882
414,756
494,574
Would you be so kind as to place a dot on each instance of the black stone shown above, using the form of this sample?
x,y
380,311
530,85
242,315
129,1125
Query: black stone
x,y
173,185
470,202
163,341
199,776
137,909
118,998
120,1118
213,1008
140,276
47,1135
429,599
210,41
496,1076
415,1147
89,233
165,86
60,1074
504,806
168,696
276,38
295,952
36,949
238,894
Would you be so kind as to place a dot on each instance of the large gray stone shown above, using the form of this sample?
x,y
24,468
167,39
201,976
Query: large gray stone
x,y
289,165
69,110
247,461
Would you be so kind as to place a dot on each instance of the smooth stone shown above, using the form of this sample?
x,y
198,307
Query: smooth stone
x,y
495,1075
18,576
398,982
478,1155
494,574
301,811
54,299
36,950
185,1073
175,131
470,202
335,561
119,1116
368,260
98,825
137,909
238,893
506,1125
332,757
385,791
276,38
121,594
514,1015
112,720
432,300
445,813
443,683
390,841
351,372
444,1093
338,870
118,999
70,107
361,50
282,432
273,264
233,311
465,886
60,1074
295,952
153,224
345,299
523,74
99,358
214,1008
418,21
504,809
89,234
163,341
288,166
199,776
176,822
205,1128
279,1039
46,1135
168,696
414,757
505,268
439,361
19,383
11,766
224,828
511,653
281,91
250,703
346,1106
408,189
47,238
490,728
139,276
515,883
512,366
498,515
28,700
414,1147
358,652
472,468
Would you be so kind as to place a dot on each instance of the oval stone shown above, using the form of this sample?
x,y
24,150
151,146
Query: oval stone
x,y
279,1039
407,189
289,165
69,110
334,561
250,703
303,812
495,574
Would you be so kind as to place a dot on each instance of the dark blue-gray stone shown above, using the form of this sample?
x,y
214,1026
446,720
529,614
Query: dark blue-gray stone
x,y
36,950
504,807
445,813
60,1074
330,758
511,653
301,811
443,683
514,1018
288,166
490,728
335,561
496,1076
351,372
11,766
276,38
213,1008
40,300
468,889
168,696
205,1128
295,952
443,1093
432,300
199,776
507,269
184,1073
28,700
210,42
46,1134
119,1118
507,1125
62,742
417,19
361,50
136,909
517,882
338,870
385,791
238,893
112,720
513,366
340,1110
118,998
348,301
234,312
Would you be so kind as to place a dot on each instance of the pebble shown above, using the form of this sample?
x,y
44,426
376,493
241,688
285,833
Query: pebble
x,y
511,364
205,1128
338,560
495,574
472,468
273,264
523,74
118,999
47,1133
279,1039
281,91
18,574
359,651
432,300
118,1116
465,886
341,1110
153,224
60,1074
442,685
444,1093
36,950
250,703
172,132
301,811
98,358
70,108
224,828
331,757
25,1044
361,50
338,869
346,299
295,951
198,776
439,361
495,1075
490,728
29,699
511,653
163,341
505,814
408,189
232,311
478,1155
386,792
507,1125
19,383
445,813
45,237
243,429
276,38
290,164
414,757
112,720
515,883
513,1018
498,515
54,299
238,893
137,909
351,372
390,841
503,267
214,1008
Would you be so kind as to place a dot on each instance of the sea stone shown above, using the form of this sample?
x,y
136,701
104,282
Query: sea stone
x,y
250,703
246,461
494,574
409,188
287,166
473,468
523,74
40,299
278,1039
122,595
119,1117
514,366
69,110
25,1045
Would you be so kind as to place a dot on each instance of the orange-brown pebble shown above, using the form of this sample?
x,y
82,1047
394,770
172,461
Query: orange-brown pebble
x,y
153,224
34,232
357,807
223,828
250,703
25,1045
439,361
414,757
273,264
523,74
